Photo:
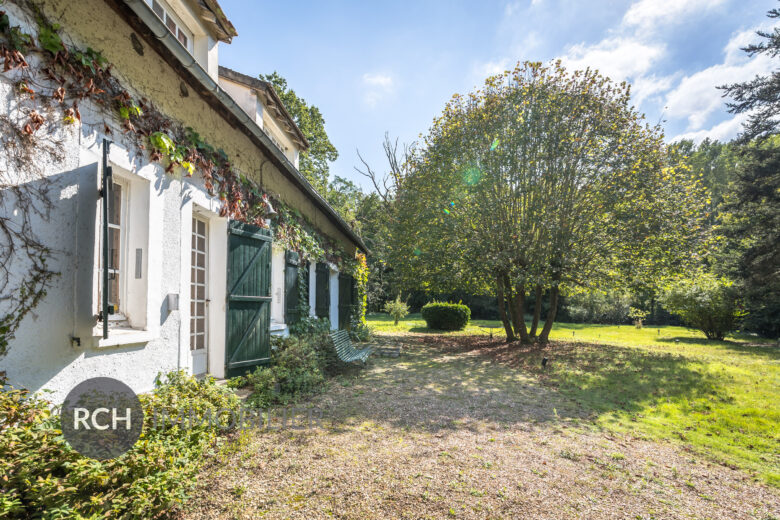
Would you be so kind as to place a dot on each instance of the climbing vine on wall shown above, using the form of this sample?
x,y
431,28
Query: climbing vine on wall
x,y
51,80
360,274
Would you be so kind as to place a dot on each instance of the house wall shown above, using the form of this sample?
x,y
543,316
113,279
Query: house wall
x,y
272,127
312,288
250,103
58,344
93,23
245,98
278,324
334,299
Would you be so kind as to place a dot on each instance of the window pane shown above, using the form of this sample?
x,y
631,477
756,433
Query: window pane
x,y
170,23
201,294
201,228
201,309
201,244
113,248
201,260
201,276
115,204
113,289
200,341
158,9
183,38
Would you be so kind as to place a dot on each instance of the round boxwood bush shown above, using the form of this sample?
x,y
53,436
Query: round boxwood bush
x,y
446,316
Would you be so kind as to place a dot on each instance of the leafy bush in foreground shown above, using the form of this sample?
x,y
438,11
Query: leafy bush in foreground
x,y
299,365
705,302
42,474
446,316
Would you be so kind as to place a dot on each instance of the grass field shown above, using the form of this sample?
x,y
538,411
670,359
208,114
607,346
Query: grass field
x,y
627,335
721,399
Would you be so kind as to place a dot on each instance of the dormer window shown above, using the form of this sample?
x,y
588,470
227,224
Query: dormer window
x,y
173,23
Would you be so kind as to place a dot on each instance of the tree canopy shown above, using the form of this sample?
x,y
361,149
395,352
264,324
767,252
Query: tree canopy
x,y
542,179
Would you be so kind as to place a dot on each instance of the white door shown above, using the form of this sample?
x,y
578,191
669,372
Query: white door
x,y
199,297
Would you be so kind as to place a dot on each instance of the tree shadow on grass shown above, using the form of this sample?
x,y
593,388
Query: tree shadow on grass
x,y
468,382
767,350
426,330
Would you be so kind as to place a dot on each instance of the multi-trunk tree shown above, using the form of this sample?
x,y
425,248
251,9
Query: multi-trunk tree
x,y
540,180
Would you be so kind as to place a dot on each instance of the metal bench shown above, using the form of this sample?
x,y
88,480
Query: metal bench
x,y
344,349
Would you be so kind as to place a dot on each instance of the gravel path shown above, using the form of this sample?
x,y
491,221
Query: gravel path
x,y
443,433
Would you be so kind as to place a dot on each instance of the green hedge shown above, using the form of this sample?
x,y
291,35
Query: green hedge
x,y
446,316
43,476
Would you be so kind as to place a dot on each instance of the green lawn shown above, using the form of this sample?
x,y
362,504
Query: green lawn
x,y
717,398
626,335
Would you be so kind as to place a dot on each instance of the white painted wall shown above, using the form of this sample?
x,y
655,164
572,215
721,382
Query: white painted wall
x,y
278,326
334,298
244,97
43,354
312,288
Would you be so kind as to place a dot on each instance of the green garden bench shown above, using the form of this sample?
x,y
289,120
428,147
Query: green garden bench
x,y
344,349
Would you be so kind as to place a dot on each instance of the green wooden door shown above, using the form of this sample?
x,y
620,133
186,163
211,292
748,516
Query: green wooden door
x,y
322,293
291,288
345,300
249,298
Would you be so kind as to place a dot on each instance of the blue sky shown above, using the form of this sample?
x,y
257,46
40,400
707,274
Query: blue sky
x,y
373,67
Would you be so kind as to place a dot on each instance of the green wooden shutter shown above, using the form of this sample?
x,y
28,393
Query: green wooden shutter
x,y
249,298
345,300
322,303
291,308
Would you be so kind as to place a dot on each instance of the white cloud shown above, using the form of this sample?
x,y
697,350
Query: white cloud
x,y
619,58
645,87
647,14
514,7
376,87
491,68
723,131
696,97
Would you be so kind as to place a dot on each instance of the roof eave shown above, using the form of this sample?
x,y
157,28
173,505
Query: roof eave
x,y
139,15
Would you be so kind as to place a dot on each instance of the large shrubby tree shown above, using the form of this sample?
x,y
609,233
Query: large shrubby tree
x,y
751,214
759,97
540,180
705,302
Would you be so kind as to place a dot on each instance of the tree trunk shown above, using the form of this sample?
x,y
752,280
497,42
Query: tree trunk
x,y
537,311
510,336
518,313
550,315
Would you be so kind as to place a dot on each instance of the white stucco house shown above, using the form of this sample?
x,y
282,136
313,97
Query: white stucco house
x,y
156,275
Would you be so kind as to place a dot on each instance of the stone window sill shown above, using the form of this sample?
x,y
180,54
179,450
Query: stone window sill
x,y
123,336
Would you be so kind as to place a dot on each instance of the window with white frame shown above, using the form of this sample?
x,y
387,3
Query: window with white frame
x,y
116,239
173,23
127,244
199,285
